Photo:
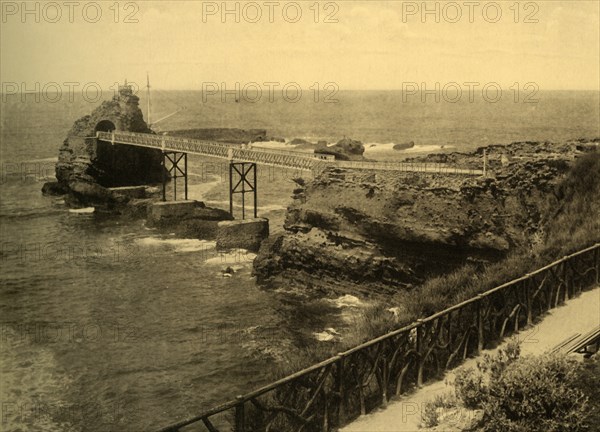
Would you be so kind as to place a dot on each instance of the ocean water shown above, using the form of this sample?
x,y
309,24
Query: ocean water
x,y
109,325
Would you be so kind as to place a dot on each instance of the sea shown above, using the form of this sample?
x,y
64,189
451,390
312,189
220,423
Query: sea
x,y
107,324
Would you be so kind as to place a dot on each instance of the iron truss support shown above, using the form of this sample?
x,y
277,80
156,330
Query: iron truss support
x,y
245,182
175,171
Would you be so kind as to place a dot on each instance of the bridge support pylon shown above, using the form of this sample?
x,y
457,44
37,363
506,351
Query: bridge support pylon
x,y
175,160
245,182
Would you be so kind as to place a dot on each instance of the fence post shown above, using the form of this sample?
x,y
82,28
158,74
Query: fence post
x,y
565,272
384,381
419,349
342,406
528,299
597,261
240,423
479,324
325,426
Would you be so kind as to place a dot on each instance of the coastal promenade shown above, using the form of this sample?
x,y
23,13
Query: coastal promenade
x,y
377,373
577,316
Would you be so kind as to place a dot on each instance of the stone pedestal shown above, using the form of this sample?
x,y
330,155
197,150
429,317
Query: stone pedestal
x,y
242,234
163,211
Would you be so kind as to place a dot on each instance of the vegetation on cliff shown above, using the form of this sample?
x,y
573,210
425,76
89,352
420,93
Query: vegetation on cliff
x,y
565,221
384,232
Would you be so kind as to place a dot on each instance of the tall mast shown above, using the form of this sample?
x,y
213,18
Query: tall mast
x,y
148,97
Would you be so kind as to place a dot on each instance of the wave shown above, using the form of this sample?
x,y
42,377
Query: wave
x,y
346,301
234,256
375,147
85,210
176,245
29,213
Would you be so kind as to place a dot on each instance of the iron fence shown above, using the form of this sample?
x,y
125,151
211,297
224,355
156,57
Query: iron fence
x,y
328,395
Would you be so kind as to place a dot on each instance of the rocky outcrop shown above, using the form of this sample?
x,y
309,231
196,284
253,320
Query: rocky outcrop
x,y
186,218
345,149
245,234
84,159
404,146
384,230
86,167
300,141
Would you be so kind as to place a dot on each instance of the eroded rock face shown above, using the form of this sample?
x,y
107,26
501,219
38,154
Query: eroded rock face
x,y
83,159
388,229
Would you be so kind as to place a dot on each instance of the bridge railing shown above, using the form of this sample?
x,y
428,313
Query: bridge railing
x,y
430,167
279,157
329,394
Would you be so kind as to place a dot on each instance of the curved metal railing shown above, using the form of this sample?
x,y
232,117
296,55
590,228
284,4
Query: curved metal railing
x,y
327,395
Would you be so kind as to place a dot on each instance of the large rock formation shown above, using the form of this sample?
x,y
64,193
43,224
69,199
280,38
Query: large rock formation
x,y
87,166
361,230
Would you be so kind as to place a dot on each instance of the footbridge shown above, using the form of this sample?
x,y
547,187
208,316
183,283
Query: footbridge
x,y
243,161
272,157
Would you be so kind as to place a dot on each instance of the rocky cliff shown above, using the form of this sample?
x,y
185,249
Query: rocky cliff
x,y
375,231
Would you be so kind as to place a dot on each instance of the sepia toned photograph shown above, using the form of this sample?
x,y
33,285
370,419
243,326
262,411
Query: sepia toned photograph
x,y
300,216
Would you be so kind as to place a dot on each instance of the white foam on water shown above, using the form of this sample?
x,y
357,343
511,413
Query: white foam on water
x,y
378,147
86,210
49,159
263,208
427,148
346,301
178,245
234,256
271,207
389,147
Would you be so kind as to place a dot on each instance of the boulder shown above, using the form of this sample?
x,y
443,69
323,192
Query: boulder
x,y
55,188
300,141
86,194
345,149
404,146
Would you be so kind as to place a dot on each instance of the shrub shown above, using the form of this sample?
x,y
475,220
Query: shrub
x,y
431,410
588,381
472,386
525,394
536,394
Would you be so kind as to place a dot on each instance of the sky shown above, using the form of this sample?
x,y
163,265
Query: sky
x,y
356,45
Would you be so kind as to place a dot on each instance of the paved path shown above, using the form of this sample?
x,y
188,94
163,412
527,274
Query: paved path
x,y
578,315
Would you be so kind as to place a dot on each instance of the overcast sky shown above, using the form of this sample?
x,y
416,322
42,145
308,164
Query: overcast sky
x,y
373,45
